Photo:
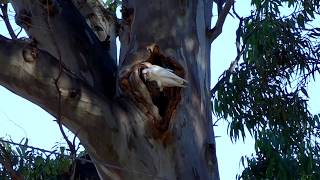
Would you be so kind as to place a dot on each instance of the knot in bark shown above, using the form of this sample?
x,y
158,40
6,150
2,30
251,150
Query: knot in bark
x,y
30,53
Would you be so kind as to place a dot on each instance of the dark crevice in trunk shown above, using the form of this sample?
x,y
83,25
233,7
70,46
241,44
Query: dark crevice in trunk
x,y
158,106
161,102
167,100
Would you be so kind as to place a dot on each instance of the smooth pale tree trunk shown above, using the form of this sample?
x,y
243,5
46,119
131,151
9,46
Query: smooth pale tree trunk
x,y
130,129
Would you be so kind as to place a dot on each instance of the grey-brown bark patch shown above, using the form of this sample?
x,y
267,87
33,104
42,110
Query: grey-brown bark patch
x,y
127,15
210,152
50,8
24,18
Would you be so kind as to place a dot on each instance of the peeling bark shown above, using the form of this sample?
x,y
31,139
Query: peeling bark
x,y
140,132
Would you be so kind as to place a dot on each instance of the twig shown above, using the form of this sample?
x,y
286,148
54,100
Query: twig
x,y
240,51
56,82
5,17
31,147
217,29
71,146
216,122
227,73
19,31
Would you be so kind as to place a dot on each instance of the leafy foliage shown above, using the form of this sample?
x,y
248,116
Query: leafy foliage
x,y
4,1
266,93
35,164
112,4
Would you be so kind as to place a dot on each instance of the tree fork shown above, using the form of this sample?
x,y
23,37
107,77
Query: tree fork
x,y
157,134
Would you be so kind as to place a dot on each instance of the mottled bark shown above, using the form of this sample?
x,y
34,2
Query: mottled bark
x,y
102,22
58,28
180,36
137,132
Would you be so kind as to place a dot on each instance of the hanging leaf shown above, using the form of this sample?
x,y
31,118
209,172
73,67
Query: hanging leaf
x,y
304,91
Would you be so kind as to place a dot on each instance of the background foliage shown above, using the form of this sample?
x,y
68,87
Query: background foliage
x,y
266,93
34,163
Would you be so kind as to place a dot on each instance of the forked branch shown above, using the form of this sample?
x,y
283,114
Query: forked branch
x,y
217,29
30,73
5,17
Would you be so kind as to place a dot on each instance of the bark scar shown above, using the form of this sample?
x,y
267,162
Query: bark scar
x,y
30,52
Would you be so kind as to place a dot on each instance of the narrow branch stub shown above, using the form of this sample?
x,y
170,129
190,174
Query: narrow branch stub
x,y
158,103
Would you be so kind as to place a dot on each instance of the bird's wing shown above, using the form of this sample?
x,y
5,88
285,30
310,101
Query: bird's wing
x,y
164,77
168,79
167,74
169,82
170,70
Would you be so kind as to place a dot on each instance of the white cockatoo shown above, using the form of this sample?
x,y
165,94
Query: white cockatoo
x,y
163,76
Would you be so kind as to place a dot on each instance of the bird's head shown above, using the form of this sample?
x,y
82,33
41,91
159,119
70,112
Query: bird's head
x,y
146,74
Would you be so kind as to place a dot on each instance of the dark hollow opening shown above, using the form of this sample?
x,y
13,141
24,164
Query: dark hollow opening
x,y
161,102
159,98
167,100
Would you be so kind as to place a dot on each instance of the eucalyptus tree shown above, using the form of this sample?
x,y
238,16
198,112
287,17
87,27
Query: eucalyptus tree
x,y
131,129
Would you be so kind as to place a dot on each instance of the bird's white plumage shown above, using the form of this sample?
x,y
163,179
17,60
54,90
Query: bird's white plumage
x,y
163,76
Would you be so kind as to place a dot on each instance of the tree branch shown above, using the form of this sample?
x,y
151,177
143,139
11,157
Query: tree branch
x,y
227,73
217,29
219,5
5,17
30,73
81,51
